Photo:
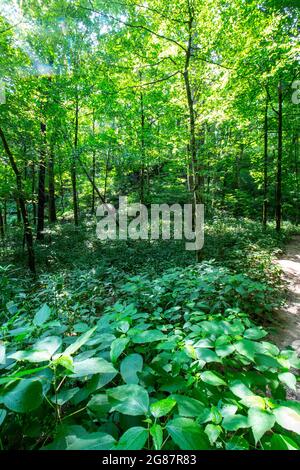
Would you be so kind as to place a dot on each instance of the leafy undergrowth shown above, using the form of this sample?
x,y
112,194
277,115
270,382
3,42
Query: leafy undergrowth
x,y
115,361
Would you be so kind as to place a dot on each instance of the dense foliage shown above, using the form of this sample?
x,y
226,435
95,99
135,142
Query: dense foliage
x,y
140,344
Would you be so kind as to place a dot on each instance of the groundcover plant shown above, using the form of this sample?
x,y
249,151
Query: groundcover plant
x,y
149,225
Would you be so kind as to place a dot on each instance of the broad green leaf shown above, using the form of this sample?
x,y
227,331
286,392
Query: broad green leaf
x,y
255,333
288,418
99,405
212,379
246,348
213,431
129,368
133,439
3,414
280,442
25,396
95,365
147,336
254,401
206,355
129,399
260,421
64,396
191,408
117,347
288,379
157,436
236,422
79,342
239,389
92,441
42,315
162,407
2,353
187,434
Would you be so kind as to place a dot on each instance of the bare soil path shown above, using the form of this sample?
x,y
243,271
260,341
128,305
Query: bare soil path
x,y
288,333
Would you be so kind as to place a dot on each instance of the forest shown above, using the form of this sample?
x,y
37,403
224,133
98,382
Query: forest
x,y
134,341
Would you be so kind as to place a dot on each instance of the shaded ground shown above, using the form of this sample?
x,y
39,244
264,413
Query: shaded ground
x,y
289,316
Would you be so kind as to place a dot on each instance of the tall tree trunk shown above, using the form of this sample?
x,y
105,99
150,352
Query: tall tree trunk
x,y
34,214
41,188
197,173
93,168
1,224
19,215
266,166
142,171
73,165
51,187
27,228
278,201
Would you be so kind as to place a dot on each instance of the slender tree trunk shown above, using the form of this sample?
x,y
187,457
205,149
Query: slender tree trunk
x,y
106,175
73,165
19,215
34,214
266,166
93,169
142,172
27,228
197,176
278,201
41,188
1,224
51,187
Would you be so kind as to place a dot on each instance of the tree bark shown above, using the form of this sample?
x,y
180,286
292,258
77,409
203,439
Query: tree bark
x,y
21,198
51,188
1,224
73,164
41,188
278,201
266,166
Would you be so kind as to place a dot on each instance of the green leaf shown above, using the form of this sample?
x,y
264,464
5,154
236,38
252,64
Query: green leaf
x,y
191,408
236,422
162,407
280,442
212,379
2,353
255,333
237,443
133,439
213,432
64,396
157,436
225,350
206,355
148,336
42,315
25,396
3,414
129,399
246,348
117,347
254,401
129,368
239,389
288,418
260,421
288,379
95,365
49,344
92,441
187,434
79,342
99,405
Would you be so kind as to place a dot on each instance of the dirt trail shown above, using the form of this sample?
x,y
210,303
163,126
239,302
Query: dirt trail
x,y
288,333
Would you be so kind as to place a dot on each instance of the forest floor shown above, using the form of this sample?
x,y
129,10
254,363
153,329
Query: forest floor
x,y
288,332
289,316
